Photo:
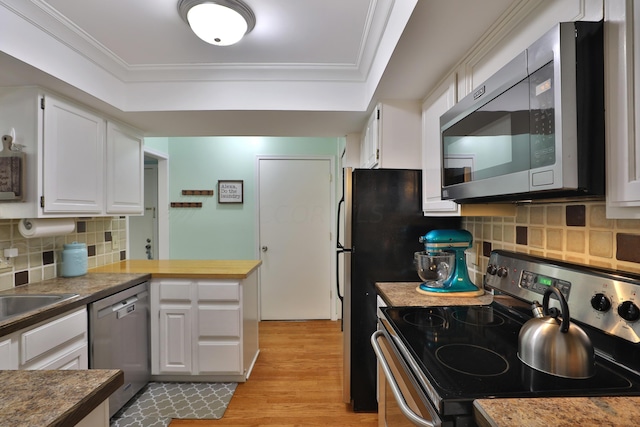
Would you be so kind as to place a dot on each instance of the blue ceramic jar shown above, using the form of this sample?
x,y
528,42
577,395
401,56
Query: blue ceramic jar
x,y
74,259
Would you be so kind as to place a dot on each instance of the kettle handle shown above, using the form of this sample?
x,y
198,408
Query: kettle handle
x,y
564,326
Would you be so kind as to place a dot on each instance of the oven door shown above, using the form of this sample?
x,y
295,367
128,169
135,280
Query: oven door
x,y
401,401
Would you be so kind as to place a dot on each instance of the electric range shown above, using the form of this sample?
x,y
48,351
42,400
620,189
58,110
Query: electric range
x,y
457,354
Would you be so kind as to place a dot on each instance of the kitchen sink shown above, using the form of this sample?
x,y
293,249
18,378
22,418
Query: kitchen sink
x,y
15,305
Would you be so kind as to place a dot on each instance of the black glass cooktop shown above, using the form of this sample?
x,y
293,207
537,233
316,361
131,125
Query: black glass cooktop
x,y
470,352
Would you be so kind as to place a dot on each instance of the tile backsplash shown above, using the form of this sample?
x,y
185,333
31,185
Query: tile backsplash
x,y
575,232
38,258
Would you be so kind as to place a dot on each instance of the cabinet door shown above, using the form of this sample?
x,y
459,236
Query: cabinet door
x,y
622,74
125,170
8,355
436,105
73,145
175,340
370,149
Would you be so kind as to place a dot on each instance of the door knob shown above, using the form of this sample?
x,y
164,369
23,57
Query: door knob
x,y
264,249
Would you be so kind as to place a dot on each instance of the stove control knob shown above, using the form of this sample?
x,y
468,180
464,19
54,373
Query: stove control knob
x,y
600,302
503,272
629,311
492,269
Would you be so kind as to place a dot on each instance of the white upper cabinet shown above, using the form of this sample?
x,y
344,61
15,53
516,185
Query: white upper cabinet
x,y
391,138
523,23
622,106
75,162
73,145
125,170
370,143
441,100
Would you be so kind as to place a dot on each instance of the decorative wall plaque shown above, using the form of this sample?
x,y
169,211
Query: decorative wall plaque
x,y
230,192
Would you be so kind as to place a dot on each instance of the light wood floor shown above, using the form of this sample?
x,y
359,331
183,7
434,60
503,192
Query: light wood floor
x,y
297,381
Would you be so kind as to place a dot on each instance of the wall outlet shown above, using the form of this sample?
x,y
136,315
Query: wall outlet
x,y
11,252
115,243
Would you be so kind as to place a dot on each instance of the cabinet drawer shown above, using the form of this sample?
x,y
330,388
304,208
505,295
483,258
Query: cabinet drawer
x,y
41,339
219,321
175,291
219,291
220,357
74,360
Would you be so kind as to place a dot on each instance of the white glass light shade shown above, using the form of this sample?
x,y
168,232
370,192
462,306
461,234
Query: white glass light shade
x,y
216,24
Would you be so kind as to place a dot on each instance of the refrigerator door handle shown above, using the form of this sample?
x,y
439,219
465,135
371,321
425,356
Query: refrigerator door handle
x,y
339,245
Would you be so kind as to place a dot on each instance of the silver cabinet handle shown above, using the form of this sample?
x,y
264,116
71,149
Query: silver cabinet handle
x,y
264,249
402,403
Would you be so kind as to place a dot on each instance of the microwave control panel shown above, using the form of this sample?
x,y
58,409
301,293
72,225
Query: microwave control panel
x,y
542,117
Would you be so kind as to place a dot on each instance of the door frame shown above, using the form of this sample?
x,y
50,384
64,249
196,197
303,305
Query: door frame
x,y
331,242
163,202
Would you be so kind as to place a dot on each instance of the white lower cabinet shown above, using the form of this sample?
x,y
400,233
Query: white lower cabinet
x,y
8,355
75,359
99,417
57,343
218,357
174,340
204,328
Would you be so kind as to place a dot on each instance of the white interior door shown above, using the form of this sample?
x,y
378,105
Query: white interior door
x,y
143,230
295,238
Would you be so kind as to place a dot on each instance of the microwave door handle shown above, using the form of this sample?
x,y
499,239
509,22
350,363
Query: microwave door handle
x,y
402,403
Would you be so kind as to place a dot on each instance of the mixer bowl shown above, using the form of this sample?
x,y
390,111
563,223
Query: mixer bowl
x,y
434,268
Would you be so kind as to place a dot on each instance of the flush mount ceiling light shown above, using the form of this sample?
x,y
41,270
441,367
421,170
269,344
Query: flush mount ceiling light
x,y
218,22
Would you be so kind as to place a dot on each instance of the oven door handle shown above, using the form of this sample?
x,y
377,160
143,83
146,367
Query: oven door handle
x,y
402,403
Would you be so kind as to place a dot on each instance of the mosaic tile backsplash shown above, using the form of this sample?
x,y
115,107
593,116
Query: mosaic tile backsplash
x,y
38,258
575,232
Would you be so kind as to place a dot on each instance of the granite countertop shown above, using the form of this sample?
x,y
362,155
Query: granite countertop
x,y
401,294
558,412
53,398
103,281
190,269
89,288
63,398
532,412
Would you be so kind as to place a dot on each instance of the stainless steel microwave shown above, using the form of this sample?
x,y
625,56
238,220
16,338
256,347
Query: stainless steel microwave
x,y
535,129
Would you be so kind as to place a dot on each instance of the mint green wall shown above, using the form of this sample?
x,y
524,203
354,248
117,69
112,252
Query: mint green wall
x,y
224,231
158,144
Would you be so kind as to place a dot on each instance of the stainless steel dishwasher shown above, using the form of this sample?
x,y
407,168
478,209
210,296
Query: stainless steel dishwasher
x,y
119,339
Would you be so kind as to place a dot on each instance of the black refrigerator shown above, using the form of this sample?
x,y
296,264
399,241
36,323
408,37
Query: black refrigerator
x,y
382,222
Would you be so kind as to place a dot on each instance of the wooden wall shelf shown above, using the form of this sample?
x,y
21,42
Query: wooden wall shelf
x,y
197,192
186,204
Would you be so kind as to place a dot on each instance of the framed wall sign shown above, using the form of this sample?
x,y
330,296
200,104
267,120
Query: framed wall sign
x,y
230,191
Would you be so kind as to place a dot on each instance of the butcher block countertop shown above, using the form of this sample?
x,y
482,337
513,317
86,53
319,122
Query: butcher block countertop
x,y
188,269
54,398
558,412
404,294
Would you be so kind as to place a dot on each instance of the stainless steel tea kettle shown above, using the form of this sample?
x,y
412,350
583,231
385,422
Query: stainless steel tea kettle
x,y
557,347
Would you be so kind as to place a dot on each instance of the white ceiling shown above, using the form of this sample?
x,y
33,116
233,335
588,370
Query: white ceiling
x,y
308,68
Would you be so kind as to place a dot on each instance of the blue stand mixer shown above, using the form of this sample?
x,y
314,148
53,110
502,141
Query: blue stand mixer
x,y
442,265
